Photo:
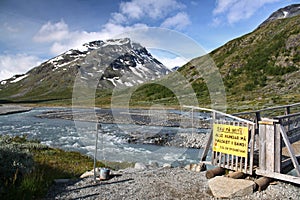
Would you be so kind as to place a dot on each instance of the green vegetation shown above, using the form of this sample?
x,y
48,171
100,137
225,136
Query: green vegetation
x,y
28,168
261,68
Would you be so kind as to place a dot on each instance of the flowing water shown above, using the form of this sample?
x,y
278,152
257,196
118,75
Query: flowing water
x,y
80,136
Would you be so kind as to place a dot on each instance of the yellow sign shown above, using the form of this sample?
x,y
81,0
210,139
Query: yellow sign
x,y
230,139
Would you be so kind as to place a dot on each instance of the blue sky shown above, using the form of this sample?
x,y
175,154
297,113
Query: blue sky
x,y
32,31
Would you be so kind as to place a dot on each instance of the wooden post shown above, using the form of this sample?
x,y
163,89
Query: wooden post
x,y
262,147
278,148
210,137
287,110
236,175
267,145
262,183
214,172
257,120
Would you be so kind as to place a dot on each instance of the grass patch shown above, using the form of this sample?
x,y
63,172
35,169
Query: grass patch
x,y
29,168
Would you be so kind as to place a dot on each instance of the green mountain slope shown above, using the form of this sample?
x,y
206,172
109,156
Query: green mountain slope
x,y
258,69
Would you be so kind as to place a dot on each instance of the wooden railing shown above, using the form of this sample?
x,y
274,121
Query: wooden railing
x,y
221,158
278,140
273,143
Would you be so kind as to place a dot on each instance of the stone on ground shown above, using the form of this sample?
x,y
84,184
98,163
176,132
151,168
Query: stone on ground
x,y
140,166
224,187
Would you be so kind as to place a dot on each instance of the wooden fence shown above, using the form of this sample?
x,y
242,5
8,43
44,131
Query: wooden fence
x,y
236,162
280,147
273,147
226,158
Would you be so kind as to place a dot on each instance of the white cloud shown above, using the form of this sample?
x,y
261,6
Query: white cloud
x,y
50,32
63,39
118,18
137,9
236,10
59,38
77,38
179,21
172,62
11,65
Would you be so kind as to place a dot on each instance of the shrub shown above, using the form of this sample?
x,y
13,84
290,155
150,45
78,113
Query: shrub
x,y
15,163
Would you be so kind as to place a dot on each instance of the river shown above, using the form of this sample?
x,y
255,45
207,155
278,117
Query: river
x,y
80,136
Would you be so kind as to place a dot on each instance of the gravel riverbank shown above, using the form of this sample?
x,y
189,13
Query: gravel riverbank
x,y
143,118
157,183
11,109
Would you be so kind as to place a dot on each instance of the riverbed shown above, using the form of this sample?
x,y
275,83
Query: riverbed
x,y
113,137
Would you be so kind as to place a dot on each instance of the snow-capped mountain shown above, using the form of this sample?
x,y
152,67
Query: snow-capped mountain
x,y
286,12
112,63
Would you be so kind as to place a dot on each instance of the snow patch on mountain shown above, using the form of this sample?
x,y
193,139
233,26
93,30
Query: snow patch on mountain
x,y
111,63
18,78
286,12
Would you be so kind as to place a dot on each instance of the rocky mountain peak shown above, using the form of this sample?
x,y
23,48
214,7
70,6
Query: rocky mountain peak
x,y
112,63
286,12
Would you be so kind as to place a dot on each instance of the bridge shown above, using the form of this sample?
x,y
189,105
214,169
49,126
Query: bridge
x,y
264,142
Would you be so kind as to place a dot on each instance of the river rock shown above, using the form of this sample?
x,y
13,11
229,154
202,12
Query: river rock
x,y
196,167
224,187
167,165
153,164
140,166
87,174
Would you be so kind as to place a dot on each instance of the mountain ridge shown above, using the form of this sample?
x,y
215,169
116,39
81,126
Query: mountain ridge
x,y
115,62
286,12
259,69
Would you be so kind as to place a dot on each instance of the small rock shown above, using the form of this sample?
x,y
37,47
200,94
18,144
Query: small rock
x,y
196,167
154,164
87,174
140,166
188,167
167,165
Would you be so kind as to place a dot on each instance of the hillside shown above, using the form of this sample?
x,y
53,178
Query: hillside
x,y
259,69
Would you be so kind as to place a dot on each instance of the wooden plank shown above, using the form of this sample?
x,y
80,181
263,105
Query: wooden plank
x,y
207,146
290,150
246,166
241,163
262,146
252,140
266,109
228,160
213,158
220,159
232,162
270,148
278,148
275,175
209,141
282,117
287,110
236,163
